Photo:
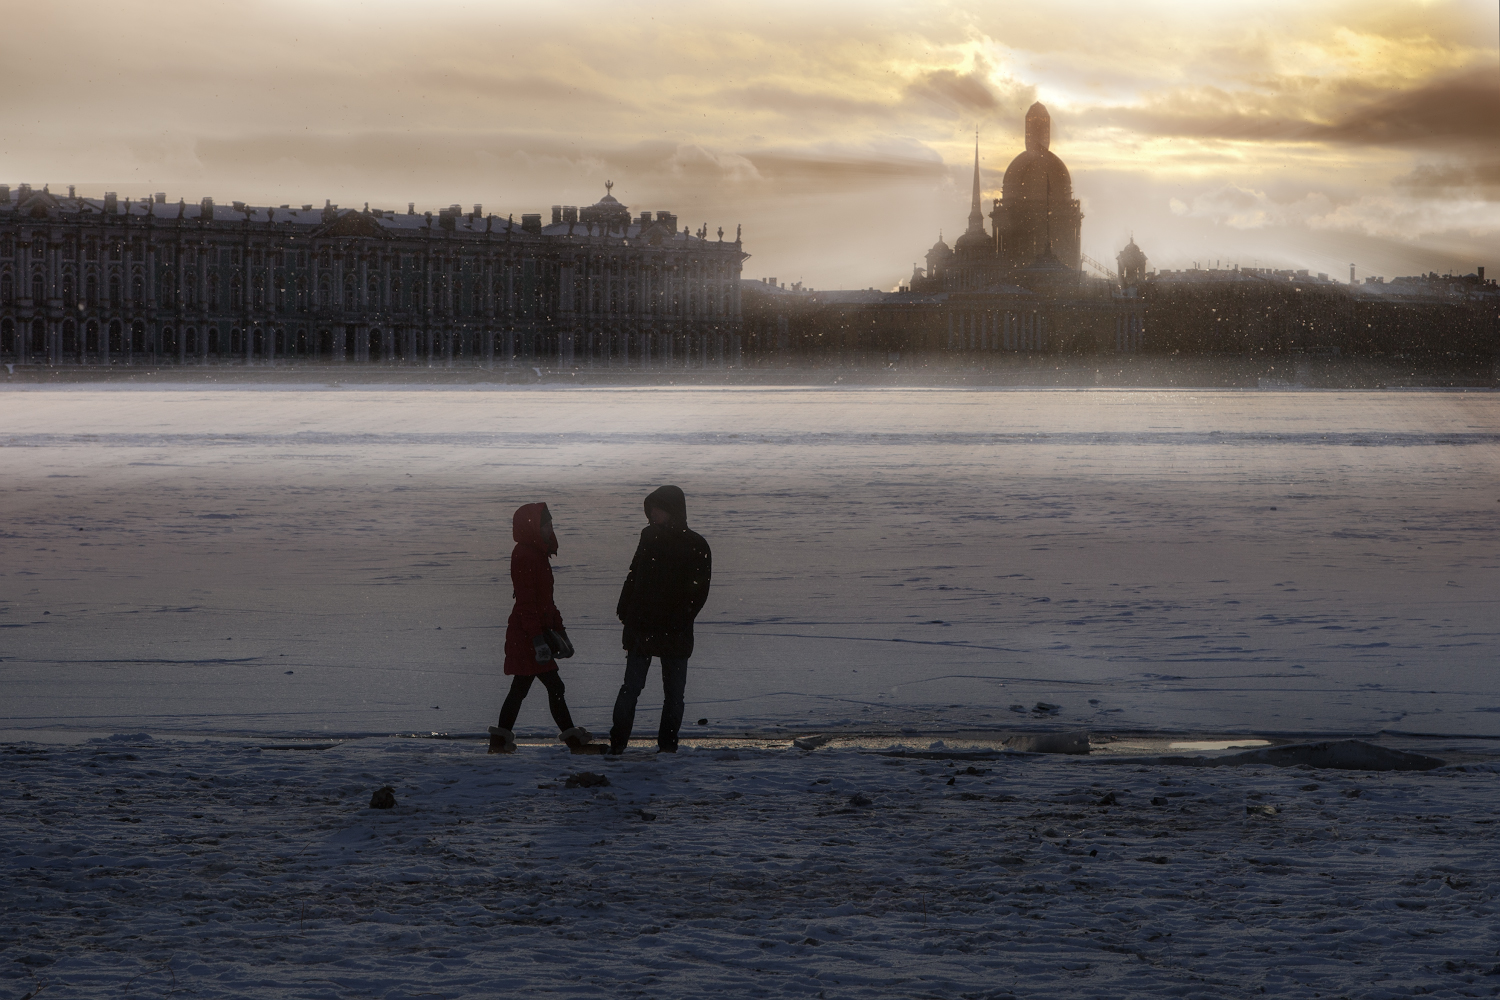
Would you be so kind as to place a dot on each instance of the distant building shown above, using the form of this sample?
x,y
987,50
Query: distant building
x,y
102,281
1132,264
1037,227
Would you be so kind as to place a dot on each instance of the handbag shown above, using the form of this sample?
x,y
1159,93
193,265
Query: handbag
x,y
552,644
558,641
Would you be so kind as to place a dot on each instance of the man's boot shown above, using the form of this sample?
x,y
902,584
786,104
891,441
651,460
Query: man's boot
x,y
502,740
580,740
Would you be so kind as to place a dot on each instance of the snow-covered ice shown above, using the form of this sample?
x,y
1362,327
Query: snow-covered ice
x,y
191,575
269,560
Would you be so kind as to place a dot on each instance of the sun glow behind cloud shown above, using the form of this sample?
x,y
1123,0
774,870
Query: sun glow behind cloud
x,y
839,134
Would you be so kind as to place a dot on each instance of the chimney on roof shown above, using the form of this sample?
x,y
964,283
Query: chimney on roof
x,y
1481,274
532,223
411,208
161,197
206,210
570,214
556,215
70,191
478,210
23,192
5,193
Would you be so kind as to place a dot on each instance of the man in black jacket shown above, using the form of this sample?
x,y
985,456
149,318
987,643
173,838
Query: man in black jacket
x,y
663,593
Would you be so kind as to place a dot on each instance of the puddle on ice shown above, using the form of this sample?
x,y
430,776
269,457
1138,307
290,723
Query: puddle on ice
x,y
1218,745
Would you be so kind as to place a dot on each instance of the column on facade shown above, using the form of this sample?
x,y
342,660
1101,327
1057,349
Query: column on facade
x,y
149,292
99,305
427,307
126,284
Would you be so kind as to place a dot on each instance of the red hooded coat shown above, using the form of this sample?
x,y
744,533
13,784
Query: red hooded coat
x,y
531,579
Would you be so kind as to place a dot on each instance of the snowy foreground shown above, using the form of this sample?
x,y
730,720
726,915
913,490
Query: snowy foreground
x,y
139,867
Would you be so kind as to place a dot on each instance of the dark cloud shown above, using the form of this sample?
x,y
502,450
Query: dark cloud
x,y
1450,179
971,94
960,91
1456,110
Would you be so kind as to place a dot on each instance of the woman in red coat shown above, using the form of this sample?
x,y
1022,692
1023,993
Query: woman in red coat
x,y
528,656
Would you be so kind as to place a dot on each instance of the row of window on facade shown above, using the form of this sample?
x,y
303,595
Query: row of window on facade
x,y
40,341
182,256
412,295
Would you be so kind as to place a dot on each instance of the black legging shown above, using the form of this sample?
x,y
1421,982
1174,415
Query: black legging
x,y
521,684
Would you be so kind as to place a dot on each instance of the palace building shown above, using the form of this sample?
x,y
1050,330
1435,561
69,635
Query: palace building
x,y
104,281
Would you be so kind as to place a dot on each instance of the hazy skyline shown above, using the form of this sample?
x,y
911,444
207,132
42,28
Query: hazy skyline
x,y
839,135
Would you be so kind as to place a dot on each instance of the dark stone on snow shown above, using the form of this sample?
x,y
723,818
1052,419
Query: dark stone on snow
x,y
384,798
586,779
861,799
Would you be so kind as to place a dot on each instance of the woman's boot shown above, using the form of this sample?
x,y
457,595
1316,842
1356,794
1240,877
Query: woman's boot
x,y
580,740
502,740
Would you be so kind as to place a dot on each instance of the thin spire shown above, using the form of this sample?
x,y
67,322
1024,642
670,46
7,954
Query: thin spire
x,y
976,216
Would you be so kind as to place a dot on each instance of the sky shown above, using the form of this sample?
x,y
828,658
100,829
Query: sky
x,y
839,135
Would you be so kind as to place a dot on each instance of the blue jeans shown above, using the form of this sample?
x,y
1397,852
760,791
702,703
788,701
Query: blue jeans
x,y
673,684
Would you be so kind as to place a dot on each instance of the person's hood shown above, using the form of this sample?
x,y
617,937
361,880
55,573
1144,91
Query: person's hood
x,y
526,528
671,500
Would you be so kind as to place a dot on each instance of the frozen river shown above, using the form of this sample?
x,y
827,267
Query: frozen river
x,y
324,561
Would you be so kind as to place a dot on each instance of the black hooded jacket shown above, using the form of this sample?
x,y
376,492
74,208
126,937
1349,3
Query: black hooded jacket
x,y
667,583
